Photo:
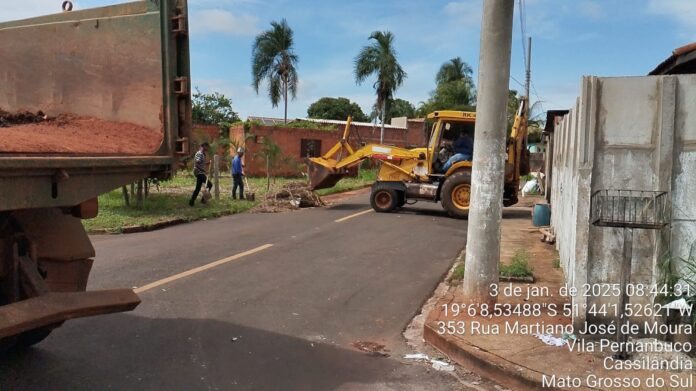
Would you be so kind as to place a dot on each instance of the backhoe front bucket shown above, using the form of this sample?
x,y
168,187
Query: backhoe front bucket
x,y
322,177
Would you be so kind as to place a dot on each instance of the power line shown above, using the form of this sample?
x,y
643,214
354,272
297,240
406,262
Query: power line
x,y
516,81
523,27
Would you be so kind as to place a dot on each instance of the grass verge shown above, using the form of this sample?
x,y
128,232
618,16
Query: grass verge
x,y
169,202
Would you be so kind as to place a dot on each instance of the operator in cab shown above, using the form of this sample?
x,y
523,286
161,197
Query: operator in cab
x,y
463,148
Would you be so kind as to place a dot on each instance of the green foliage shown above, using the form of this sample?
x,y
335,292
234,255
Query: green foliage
x,y
170,201
526,178
302,124
454,70
395,108
274,59
454,89
557,263
518,267
212,109
336,108
157,207
379,58
457,274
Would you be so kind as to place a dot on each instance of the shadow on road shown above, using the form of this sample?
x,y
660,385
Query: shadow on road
x,y
131,352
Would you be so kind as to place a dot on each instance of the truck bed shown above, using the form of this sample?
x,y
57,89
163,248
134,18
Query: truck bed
x,y
115,80
69,134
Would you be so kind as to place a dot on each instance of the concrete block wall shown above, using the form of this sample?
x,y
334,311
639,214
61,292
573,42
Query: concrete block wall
x,y
636,133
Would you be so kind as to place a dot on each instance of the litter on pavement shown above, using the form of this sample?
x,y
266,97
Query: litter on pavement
x,y
442,366
551,340
416,356
437,364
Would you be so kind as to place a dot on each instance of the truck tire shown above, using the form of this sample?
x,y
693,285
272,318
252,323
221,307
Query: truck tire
x,y
384,198
456,194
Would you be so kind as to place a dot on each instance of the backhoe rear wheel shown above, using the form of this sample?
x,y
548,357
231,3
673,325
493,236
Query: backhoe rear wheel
x,y
384,198
456,194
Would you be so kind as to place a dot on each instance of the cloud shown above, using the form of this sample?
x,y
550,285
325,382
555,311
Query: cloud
x,y
224,22
681,11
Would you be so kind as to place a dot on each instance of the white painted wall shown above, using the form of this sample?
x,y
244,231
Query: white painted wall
x,y
635,133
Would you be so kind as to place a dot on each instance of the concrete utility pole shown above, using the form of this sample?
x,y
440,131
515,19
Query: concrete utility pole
x,y
527,85
485,213
528,71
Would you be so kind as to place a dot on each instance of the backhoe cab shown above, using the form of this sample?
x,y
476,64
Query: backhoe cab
x,y
422,174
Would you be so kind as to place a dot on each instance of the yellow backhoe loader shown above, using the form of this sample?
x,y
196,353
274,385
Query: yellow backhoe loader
x,y
419,174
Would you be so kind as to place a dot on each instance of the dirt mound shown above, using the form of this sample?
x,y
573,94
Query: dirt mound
x,y
36,133
294,195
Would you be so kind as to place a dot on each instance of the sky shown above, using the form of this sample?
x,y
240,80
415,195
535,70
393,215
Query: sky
x,y
571,38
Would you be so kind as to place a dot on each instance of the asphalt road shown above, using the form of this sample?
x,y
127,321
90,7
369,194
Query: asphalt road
x,y
281,310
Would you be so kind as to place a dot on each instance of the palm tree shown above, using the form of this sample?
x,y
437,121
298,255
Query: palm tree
x,y
453,70
380,58
273,58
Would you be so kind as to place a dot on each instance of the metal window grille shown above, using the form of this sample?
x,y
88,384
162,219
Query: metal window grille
x,y
630,209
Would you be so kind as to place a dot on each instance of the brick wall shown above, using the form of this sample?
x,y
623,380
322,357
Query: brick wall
x,y
205,133
290,142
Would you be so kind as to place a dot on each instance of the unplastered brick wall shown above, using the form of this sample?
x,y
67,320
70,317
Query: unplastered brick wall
x,y
290,141
205,133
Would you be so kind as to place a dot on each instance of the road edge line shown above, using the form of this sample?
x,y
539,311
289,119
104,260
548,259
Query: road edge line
x,y
353,215
199,269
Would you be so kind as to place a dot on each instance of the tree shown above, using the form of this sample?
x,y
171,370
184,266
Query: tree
x,y
454,95
453,70
335,108
273,58
454,89
396,108
400,108
212,109
272,155
379,58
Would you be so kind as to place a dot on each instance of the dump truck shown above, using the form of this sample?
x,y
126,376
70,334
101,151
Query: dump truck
x,y
90,101
418,174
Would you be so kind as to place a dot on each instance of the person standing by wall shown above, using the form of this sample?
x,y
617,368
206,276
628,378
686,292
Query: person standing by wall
x,y
238,174
199,171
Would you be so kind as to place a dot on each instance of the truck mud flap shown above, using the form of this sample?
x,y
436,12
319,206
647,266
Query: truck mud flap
x,y
57,307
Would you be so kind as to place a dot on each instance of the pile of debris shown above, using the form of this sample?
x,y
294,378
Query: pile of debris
x,y
291,196
22,117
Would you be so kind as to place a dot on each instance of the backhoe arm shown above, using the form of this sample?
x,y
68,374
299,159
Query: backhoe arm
x,y
327,170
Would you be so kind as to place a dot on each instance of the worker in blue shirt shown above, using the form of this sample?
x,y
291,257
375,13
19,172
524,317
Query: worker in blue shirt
x,y
238,174
463,150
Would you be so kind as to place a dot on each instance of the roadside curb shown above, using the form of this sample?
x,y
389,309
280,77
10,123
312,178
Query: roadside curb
x,y
487,364
140,228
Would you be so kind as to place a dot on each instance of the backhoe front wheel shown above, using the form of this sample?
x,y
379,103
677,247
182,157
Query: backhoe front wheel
x,y
384,198
456,194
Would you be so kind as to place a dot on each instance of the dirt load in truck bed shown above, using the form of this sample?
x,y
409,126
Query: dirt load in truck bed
x,y
69,134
